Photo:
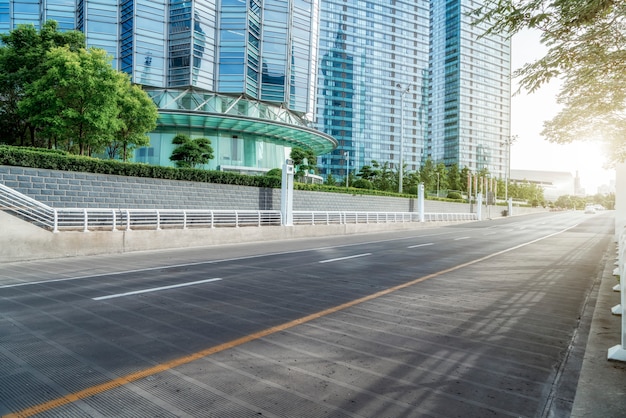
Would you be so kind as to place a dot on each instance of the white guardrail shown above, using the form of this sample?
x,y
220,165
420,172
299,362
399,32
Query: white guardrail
x,y
89,219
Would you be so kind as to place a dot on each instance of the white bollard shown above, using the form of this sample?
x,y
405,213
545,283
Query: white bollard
x,y
286,193
618,352
420,201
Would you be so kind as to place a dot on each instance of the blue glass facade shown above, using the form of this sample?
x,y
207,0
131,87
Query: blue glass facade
x,y
470,91
13,13
369,75
370,52
237,72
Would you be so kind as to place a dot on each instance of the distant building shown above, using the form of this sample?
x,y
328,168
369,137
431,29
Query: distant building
x,y
554,183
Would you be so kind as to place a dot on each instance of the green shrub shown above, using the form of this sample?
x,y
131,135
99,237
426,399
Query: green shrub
x,y
275,172
454,195
52,160
362,184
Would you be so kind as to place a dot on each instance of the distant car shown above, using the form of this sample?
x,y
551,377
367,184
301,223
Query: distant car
x,y
590,210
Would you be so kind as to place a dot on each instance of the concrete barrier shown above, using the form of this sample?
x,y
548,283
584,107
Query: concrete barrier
x,y
22,241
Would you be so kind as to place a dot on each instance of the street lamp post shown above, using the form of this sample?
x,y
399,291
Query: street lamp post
x,y
347,169
507,174
402,93
437,173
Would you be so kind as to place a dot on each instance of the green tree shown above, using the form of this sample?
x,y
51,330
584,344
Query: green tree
x,y
75,101
586,49
330,180
275,172
367,173
441,177
22,62
570,202
465,173
137,115
191,153
454,178
428,176
304,161
412,180
385,179
361,183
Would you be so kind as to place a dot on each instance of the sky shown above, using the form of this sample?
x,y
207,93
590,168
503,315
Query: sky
x,y
528,112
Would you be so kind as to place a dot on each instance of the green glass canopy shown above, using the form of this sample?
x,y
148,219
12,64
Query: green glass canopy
x,y
266,130
238,114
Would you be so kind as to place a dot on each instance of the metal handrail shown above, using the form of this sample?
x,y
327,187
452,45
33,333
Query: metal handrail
x,y
355,217
157,219
91,219
26,208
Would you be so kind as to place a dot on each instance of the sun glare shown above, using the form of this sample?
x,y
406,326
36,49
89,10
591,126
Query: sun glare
x,y
589,159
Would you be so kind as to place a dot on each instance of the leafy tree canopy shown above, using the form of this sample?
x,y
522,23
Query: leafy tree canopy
x,y
304,160
586,44
191,153
76,99
22,62
55,93
137,114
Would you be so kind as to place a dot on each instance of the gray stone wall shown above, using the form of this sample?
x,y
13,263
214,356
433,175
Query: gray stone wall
x,y
84,190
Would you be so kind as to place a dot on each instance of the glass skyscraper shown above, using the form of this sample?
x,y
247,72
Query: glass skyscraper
x,y
16,12
353,80
470,91
371,54
241,73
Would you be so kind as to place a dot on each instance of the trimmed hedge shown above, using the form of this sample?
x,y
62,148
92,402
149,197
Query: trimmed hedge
x,y
349,190
63,161
40,158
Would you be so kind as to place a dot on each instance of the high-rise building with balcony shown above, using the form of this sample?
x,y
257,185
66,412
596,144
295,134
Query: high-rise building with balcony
x,y
470,91
372,90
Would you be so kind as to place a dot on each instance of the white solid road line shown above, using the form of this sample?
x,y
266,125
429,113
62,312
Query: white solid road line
x,y
460,238
155,289
345,258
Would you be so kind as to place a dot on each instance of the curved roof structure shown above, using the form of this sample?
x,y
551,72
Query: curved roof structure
x,y
192,108
266,130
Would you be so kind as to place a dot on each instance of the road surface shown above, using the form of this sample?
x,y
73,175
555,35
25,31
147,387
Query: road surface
x,y
471,320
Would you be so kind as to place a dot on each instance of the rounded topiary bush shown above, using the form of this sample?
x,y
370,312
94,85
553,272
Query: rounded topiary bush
x,y
362,184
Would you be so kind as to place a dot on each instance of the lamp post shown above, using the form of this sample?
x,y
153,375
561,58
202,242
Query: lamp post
x,y
347,169
437,173
507,174
403,91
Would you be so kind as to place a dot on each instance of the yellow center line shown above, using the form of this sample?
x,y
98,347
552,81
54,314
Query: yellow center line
x,y
159,368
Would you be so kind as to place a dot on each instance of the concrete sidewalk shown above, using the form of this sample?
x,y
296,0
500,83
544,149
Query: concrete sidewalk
x,y
601,390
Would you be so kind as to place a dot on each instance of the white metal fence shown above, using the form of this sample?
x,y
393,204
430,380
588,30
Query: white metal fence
x,y
342,217
89,219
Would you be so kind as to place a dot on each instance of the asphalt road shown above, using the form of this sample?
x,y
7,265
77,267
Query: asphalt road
x,y
472,320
